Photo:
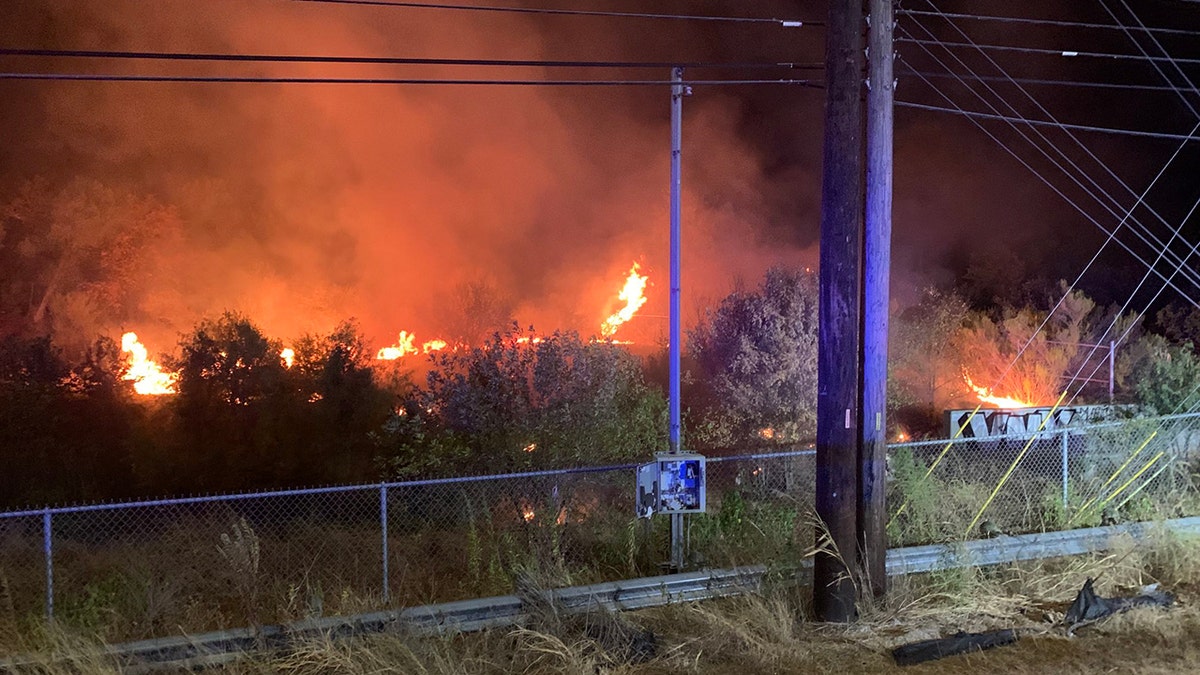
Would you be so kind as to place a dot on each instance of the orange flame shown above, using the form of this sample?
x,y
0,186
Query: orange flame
x,y
148,377
986,396
403,347
289,356
406,345
633,296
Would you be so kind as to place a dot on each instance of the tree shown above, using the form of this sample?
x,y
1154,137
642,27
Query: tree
x,y
77,257
64,431
758,350
1033,355
475,310
233,406
1179,323
1166,382
339,404
923,364
521,402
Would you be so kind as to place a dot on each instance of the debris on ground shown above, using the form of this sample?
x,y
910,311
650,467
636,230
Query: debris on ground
x,y
959,643
1089,608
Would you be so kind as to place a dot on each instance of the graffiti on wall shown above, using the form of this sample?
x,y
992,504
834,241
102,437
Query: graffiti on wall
x,y
1025,421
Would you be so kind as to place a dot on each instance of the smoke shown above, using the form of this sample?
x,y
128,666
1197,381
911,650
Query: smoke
x,y
305,204
302,205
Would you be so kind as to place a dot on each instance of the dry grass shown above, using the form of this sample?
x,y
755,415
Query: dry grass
x,y
771,632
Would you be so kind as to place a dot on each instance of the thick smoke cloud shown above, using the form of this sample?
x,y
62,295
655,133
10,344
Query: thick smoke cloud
x,y
305,204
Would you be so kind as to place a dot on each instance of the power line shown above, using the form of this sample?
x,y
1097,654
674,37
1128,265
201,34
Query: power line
x,y
1175,233
1055,52
92,77
1163,250
1050,82
1111,233
1129,34
786,23
1049,123
1095,192
386,60
1044,22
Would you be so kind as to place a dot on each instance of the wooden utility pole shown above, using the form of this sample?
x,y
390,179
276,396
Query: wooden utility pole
x,y
837,365
877,244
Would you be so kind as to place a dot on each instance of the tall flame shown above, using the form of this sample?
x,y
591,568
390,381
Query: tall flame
x,y
148,377
633,296
288,355
985,395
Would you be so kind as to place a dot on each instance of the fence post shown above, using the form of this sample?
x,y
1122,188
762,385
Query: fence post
x,y
1065,443
383,526
48,549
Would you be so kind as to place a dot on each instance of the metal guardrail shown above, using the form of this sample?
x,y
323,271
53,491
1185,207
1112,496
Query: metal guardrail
x,y
212,649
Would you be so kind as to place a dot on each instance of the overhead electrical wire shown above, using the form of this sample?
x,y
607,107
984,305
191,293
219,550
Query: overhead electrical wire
x,y
1095,191
1084,212
1151,267
1067,53
1042,22
384,60
1048,82
1049,123
1177,230
220,79
787,23
1128,213
1161,48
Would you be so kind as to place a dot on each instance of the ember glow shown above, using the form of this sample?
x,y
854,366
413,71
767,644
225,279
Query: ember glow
x,y
633,295
985,395
148,377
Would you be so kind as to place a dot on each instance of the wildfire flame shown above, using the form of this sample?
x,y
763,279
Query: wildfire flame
x,y
288,355
403,347
632,295
986,396
406,344
148,377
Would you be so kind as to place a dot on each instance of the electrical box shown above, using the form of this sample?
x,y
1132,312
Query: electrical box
x,y
673,483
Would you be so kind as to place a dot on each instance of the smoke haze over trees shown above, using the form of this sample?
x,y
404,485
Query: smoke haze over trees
x,y
299,205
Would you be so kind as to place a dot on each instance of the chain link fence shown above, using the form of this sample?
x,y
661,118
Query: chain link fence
x,y
146,569
966,488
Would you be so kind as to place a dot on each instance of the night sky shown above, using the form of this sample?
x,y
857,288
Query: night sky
x,y
304,204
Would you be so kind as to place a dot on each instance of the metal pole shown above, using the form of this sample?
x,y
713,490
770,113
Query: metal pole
x,y
383,526
678,91
838,334
48,549
877,260
1066,441
1112,360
